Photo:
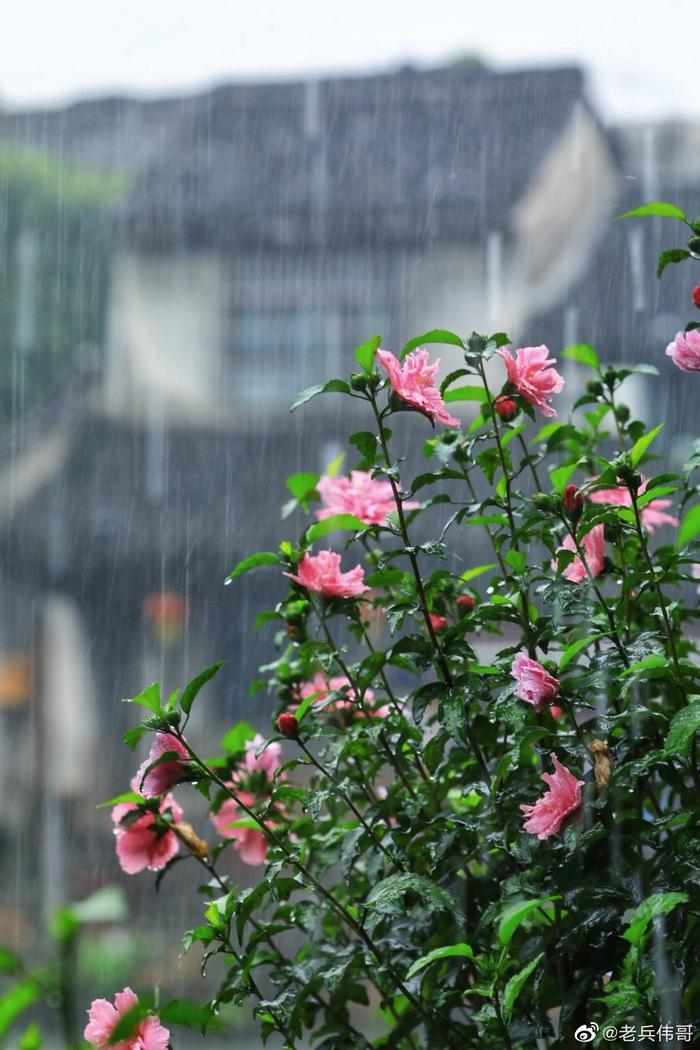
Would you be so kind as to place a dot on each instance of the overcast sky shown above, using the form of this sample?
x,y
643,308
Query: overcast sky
x,y
638,52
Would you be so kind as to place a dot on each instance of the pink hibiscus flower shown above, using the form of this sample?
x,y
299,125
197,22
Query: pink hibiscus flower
x,y
530,373
684,351
534,684
337,684
593,544
361,495
267,762
653,515
142,844
321,574
413,380
547,815
250,843
168,774
103,1017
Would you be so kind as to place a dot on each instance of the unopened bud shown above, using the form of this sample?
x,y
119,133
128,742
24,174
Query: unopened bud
x,y
695,294
288,724
545,501
466,602
358,381
594,387
572,499
506,408
694,245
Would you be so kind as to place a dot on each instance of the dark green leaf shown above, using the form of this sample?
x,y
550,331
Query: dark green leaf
x,y
189,693
252,562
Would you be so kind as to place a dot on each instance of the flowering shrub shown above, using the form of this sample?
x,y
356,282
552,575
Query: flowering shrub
x,y
420,888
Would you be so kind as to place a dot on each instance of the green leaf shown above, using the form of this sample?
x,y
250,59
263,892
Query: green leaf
x,y
191,1015
306,704
134,735
127,1022
689,527
150,698
572,650
16,1001
31,1038
436,335
9,962
334,466
657,904
333,386
516,914
126,796
105,905
684,726
515,985
471,574
235,740
389,893
465,393
560,476
189,693
302,485
642,444
364,355
583,353
462,950
516,560
673,255
336,523
663,208
252,562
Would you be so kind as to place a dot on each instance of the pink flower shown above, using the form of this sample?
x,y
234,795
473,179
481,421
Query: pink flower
x,y
251,843
361,495
652,515
530,374
142,844
413,380
267,762
103,1017
321,574
593,544
547,815
535,685
338,684
684,351
168,774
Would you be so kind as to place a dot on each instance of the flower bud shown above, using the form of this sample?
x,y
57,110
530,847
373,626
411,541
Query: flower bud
x,y
594,387
506,408
467,602
358,381
295,631
622,413
572,499
437,622
545,501
694,245
287,724
696,296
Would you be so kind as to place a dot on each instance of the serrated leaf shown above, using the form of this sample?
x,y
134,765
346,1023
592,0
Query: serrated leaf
x,y
252,562
333,386
435,335
465,393
672,255
689,526
642,444
364,355
149,698
684,726
462,950
336,523
657,904
189,693
583,353
390,892
663,208
516,914
516,984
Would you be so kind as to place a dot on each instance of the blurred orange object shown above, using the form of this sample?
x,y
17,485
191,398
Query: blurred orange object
x,y
167,611
15,681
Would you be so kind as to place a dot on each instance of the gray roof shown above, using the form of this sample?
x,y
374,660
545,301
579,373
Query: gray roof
x,y
395,158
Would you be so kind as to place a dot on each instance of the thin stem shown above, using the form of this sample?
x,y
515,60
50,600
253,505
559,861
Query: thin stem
x,y
348,801
612,634
655,582
528,460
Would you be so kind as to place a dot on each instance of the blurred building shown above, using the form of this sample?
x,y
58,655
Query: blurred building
x,y
216,254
